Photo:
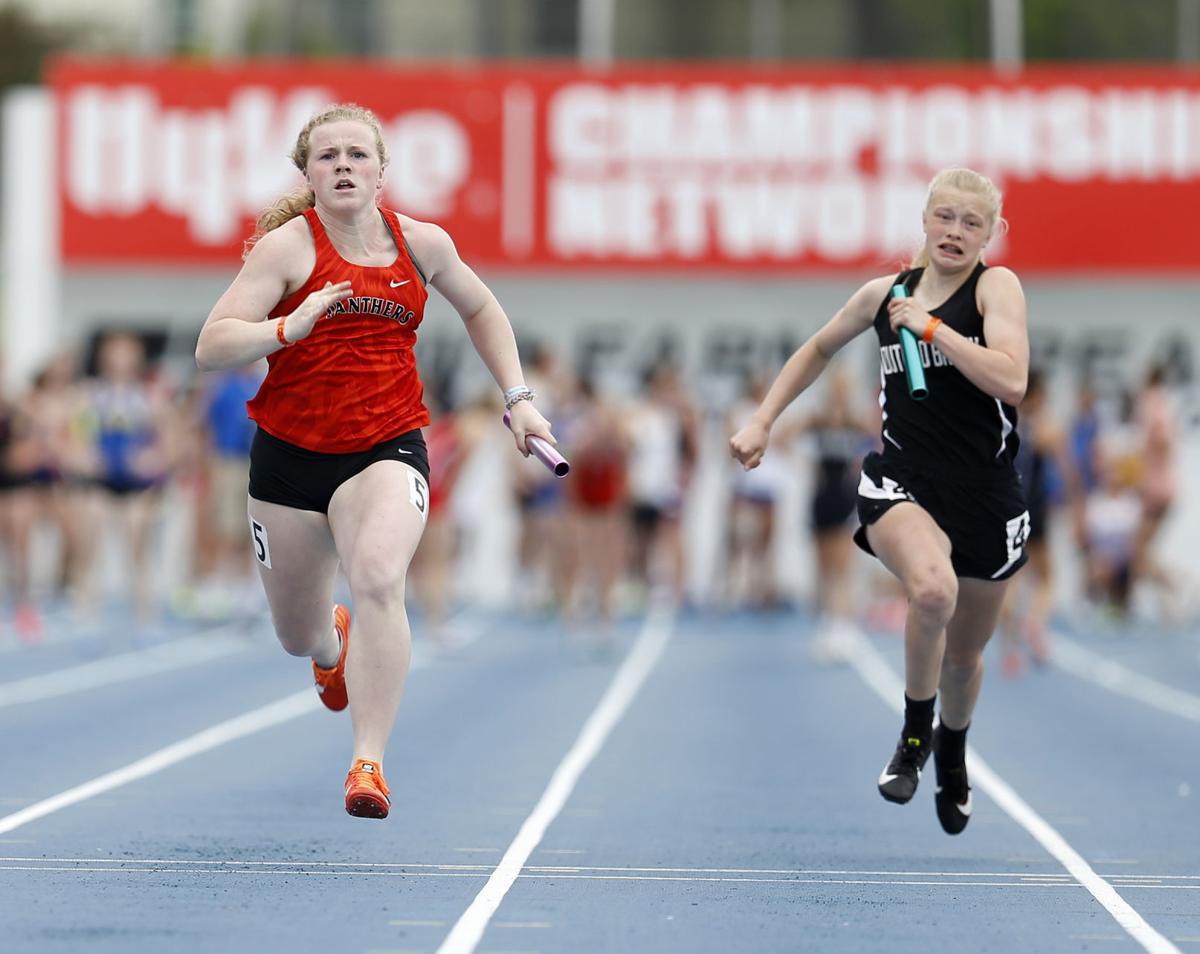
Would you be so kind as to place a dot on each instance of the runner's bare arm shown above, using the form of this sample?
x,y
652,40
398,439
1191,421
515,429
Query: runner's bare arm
x,y
236,331
805,365
1001,368
486,323
812,357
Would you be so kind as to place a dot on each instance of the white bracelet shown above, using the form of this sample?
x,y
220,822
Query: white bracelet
x,y
524,396
520,393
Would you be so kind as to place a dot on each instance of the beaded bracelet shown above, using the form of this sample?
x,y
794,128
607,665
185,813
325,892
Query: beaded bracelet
x,y
514,396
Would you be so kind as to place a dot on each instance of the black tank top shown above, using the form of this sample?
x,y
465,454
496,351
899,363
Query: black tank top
x,y
956,425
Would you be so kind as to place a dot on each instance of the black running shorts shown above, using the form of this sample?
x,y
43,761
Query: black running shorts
x,y
291,476
983,512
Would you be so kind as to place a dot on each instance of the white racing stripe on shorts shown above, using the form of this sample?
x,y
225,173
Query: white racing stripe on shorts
x,y
888,490
1017,532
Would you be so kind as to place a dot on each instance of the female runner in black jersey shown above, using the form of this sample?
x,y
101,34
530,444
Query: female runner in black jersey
x,y
942,506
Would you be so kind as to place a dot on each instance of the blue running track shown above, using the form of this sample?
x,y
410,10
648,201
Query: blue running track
x,y
702,785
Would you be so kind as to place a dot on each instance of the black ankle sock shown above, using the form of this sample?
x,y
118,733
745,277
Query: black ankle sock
x,y
918,718
952,745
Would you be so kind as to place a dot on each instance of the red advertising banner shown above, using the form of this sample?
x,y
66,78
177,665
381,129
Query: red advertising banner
x,y
682,167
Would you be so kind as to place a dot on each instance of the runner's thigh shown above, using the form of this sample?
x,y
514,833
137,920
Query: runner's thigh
x,y
908,541
296,561
377,518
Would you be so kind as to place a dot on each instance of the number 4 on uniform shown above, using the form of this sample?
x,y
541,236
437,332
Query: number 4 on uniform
x,y
262,549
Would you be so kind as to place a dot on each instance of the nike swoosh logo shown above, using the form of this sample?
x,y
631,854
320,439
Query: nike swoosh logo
x,y
885,776
401,450
398,284
964,808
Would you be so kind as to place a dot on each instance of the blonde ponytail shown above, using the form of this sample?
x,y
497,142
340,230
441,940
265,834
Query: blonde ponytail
x,y
285,208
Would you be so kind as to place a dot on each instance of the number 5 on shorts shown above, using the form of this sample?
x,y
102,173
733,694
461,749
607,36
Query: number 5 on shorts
x,y
418,494
262,549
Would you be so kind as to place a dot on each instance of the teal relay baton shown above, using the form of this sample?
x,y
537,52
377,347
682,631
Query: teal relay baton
x,y
914,370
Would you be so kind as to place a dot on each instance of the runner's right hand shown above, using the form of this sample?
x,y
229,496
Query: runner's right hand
x,y
299,324
749,444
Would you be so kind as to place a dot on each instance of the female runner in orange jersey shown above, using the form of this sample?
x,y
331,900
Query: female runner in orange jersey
x,y
331,292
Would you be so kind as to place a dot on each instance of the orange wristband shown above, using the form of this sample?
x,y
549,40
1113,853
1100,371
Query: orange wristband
x,y
927,337
279,333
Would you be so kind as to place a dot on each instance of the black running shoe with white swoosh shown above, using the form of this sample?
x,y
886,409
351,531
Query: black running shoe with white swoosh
x,y
898,781
952,795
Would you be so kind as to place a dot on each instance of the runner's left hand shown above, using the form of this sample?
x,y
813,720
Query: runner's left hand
x,y
525,421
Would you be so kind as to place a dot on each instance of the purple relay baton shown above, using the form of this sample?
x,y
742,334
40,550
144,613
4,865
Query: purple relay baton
x,y
543,451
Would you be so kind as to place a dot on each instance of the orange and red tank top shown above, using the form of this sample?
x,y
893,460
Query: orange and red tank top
x,y
352,383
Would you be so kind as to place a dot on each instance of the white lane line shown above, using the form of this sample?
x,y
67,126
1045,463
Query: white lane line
x,y
300,872
528,925
257,872
1108,674
273,714
467,932
276,713
178,654
878,675
552,870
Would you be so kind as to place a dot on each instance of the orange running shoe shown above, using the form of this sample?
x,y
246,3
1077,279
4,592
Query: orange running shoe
x,y
367,791
331,683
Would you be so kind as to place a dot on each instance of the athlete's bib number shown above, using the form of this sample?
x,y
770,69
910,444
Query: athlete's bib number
x,y
418,494
1018,533
262,549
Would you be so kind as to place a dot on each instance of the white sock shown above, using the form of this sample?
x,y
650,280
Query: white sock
x,y
337,655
